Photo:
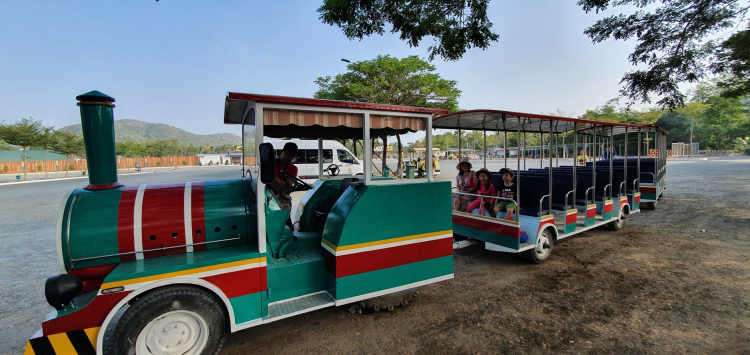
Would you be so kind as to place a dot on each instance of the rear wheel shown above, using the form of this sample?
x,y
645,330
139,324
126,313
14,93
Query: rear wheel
x,y
618,222
172,320
390,301
651,205
543,249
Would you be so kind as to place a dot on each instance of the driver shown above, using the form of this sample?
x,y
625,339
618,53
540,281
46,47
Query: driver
x,y
284,163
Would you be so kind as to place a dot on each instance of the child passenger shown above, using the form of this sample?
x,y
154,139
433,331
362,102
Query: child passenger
x,y
484,188
507,190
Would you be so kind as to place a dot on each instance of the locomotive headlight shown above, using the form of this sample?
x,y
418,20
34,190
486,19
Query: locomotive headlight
x,y
61,289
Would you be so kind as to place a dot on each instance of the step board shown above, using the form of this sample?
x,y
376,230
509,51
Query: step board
x,y
292,307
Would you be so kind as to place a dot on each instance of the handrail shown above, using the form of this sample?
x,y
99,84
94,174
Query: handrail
x,y
566,198
622,188
653,176
636,185
540,203
587,195
605,191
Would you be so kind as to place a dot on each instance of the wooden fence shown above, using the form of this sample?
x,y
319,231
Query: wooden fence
x,y
16,167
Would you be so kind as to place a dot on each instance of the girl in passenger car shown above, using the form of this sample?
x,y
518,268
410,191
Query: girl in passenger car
x,y
484,188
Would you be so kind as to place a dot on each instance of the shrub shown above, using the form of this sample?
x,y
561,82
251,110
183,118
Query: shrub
x,y
38,168
226,162
5,169
158,163
184,162
71,167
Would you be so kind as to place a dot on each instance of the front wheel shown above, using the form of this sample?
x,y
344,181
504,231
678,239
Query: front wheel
x,y
173,320
543,249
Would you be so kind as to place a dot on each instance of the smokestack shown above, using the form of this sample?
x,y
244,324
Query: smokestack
x,y
98,123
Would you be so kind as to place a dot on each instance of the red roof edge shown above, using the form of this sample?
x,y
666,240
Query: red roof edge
x,y
331,103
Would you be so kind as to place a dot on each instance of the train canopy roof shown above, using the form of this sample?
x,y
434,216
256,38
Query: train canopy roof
x,y
294,117
508,121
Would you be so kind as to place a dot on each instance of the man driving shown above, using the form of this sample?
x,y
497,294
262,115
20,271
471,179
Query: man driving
x,y
284,163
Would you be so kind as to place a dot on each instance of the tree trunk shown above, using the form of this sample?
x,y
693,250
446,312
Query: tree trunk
x,y
354,146
385,152
66,165
400,158
46,176
25,164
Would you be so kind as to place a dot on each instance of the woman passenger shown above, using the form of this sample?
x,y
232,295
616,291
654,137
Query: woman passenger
x,y
466,183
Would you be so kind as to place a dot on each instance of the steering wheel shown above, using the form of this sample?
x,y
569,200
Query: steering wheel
x,y
332,170
297,183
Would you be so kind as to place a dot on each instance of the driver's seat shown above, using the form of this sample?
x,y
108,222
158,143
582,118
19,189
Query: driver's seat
x,y
322,216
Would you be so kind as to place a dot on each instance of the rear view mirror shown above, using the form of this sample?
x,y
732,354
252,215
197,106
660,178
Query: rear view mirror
x,y
267,163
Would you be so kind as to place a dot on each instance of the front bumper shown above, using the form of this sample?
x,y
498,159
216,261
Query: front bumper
x,y
74,342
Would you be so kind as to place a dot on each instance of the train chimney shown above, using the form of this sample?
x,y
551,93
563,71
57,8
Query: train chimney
x,y
98,123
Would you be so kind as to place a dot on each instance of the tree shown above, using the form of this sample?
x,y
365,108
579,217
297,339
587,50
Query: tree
x,y
671,42
68,144
456,25
45,141
410,81
24,133
734,58
691,109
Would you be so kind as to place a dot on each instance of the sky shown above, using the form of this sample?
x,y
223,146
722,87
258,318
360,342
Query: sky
x,y
174,61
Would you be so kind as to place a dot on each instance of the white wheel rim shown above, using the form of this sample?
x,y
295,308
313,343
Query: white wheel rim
x,y
540,250
176,332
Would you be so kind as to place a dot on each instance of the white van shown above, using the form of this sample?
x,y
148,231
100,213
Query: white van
x,y
306,159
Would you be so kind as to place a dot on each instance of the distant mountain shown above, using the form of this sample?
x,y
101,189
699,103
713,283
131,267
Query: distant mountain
x,y
140,131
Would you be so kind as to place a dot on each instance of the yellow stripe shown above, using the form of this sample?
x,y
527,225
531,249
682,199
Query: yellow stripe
x,y
590,207
182,273
572,211
29,350
92,333
608,202
512,223
386,241
61,344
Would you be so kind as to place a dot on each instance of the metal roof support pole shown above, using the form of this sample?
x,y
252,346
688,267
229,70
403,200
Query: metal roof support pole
x,y
260,188
575,162
505,149
625,162
557,155
518,171
611,158
428,138
550,167
484,149
541,149
320,158
638,164
367,149
524,150
459,144
593,164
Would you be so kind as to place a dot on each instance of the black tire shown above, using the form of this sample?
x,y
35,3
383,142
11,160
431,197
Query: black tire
x,y
542,251
391,300
173,306
651,205
617,223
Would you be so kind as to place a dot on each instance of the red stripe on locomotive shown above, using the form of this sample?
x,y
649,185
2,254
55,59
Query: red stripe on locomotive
x,y
92,315
591,212
240,283
125,215
198,215
163,219
358,263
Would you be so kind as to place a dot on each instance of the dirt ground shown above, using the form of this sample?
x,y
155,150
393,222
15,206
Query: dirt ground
x,y
673,281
